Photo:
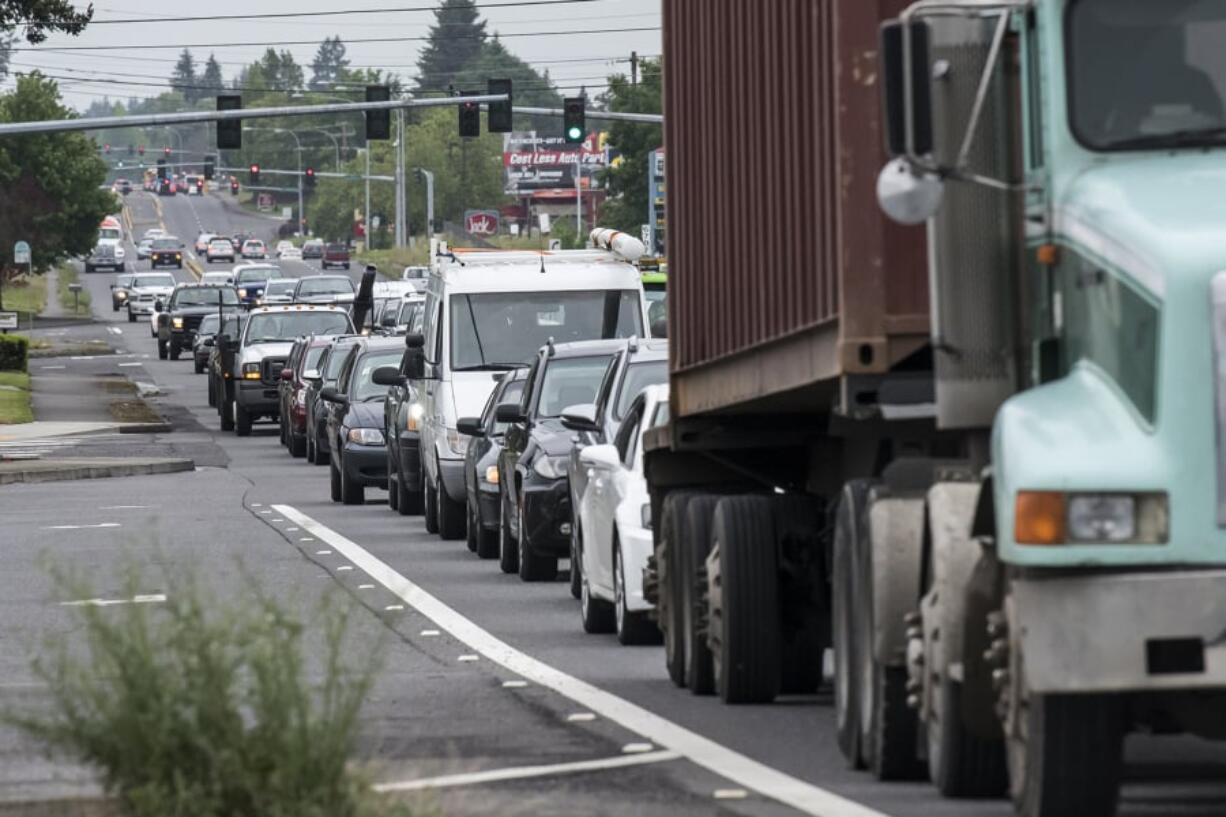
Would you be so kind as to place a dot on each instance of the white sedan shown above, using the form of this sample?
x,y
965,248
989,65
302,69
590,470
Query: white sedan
x,y
290,253
615,514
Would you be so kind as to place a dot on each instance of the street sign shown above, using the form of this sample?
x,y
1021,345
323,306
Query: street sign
x,y
645,232
374,222
8,320
21,253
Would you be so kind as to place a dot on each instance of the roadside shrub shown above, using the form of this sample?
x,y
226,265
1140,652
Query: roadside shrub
x,y
187,712
14,353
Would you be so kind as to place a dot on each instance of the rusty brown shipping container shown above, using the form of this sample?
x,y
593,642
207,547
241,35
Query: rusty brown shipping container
x,y
783,273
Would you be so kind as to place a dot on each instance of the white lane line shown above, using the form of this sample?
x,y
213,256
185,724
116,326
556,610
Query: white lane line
x,y
129,365
580,717
152,598
394,607
114,330
49,368
82,527
637,748
524,772
703,751
730,794
514,684
366,587
124,507
468,658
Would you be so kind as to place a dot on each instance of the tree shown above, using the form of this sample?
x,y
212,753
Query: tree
x,y
38,18
456,37
183,77
328,64
6,53
51,192
626,205
273,72
527,86
211,82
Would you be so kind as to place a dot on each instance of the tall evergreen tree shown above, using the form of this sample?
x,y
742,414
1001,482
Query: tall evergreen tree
x,y
626,183
328,64
183,77
211,80
455,39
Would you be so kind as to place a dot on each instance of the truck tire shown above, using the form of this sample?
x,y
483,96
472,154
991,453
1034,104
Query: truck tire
x,y
429,504
508,548
225,411
634,627
694,543
804,598
959,763
533,565
1072,760
163,352
174,349
212,393
744,601
848,516
669,607
89,268
450,514
242,421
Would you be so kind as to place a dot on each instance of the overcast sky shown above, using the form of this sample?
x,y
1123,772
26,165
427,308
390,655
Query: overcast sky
x,y
589,57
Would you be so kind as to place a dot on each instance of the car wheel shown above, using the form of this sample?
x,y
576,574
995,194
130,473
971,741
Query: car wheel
x,y
89,268
297,445
131,317
533,566
393,493
226,411
334,482
508,549
242,421
473,525
596,614
487,540
310,448
212,393
163,352
409,502
321,457
429,504
576,556
351,492
197,365
633,627
451,521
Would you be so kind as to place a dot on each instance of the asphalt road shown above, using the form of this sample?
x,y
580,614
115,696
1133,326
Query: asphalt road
x,y
430,605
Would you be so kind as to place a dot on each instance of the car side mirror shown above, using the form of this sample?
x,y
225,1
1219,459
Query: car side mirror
x,y
581,417
329,394
470,426
508,413
311,374
600,456
387,376
287,374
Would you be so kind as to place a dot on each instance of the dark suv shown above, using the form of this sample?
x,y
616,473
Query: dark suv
x,y
536,512
166,251
181,315
335,255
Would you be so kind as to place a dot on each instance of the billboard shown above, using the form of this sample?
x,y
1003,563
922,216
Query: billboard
x,y
533,162
481,222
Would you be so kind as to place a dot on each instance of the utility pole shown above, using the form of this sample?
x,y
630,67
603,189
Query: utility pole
x,y
634,68
429,175
366,211
400,221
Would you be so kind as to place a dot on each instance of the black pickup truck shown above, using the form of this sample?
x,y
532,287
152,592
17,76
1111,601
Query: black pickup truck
x,y
179,318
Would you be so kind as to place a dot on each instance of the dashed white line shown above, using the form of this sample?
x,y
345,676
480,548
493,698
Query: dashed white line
x,y
580,717
729,794
152,598
114,330
394,607
50,368
429,633
467,659
83,527
637,748
514,684
124,507
130,365
523,772
366,587
703,751
343,568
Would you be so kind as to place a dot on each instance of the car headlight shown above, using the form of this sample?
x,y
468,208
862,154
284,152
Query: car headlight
x,y
550,467
491,475
242,292
121,295
366,436
177,323
251,371
1054,518
646,515
457,442
119,252
413,422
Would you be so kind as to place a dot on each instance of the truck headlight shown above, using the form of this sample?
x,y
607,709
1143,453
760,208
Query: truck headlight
x,y
119,252
457,442
415,413
491,475
1054,518
251,371
177,323
242,292
550,467
121,295
366,436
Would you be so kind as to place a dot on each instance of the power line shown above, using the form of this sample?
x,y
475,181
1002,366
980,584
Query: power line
x,y
179,46
338,13
354,66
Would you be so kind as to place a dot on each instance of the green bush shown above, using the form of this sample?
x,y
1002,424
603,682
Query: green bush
x,y
14,353
194,713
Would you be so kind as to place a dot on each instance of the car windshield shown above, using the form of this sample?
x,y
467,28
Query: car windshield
x,y
1145,74
409,310
205,296
335,248
325,286
208,325
165,280
254,245
281,287
166,244
312,358
569,382
336,361
492,330
638,377
271,327
362,388
256,274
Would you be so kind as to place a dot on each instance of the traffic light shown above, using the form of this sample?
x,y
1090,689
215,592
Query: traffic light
x,y
309,177
161,168
106,148
209,165
254,177
500,112
378,123
141,150
166,150
131,150
574,126
470,116
229,131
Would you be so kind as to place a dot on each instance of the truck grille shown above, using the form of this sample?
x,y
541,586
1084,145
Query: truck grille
x,y
272,366
192,322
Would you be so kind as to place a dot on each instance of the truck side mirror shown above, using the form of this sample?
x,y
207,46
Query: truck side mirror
x,y
415,356
386,376
894,83
508,413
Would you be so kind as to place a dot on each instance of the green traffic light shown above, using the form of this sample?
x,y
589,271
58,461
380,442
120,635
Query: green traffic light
x,y
573,134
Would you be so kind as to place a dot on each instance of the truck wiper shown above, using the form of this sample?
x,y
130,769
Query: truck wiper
x,y
1179,138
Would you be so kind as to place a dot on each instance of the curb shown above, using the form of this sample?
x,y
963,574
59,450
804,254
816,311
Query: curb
x,y
51,471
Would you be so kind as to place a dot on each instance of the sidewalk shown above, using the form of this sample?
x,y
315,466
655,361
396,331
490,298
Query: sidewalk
x,y
53,309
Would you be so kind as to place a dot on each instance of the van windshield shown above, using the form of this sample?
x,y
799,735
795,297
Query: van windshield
x,y
503,330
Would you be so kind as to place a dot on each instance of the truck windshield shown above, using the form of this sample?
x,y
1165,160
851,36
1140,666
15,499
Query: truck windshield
x,y
272,327
325,286
1147,75
205,296
109,234
502,330
256,274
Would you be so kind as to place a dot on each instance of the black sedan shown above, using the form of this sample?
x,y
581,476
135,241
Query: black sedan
x,y
355,419
481,464
534,529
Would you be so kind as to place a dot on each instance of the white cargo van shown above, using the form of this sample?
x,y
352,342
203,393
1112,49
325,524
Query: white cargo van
x,y
487,312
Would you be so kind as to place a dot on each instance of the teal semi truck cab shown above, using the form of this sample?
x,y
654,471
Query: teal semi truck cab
x,y
1068,157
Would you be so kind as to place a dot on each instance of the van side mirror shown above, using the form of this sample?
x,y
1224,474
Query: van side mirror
x,y
470,426
415,356
894,73
508,413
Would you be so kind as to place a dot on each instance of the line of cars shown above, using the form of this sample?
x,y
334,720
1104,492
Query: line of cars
x,y
506,404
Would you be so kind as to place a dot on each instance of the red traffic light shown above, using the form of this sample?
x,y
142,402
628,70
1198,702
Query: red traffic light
x,y
141,150
106,148
255,168
310,171
167,151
